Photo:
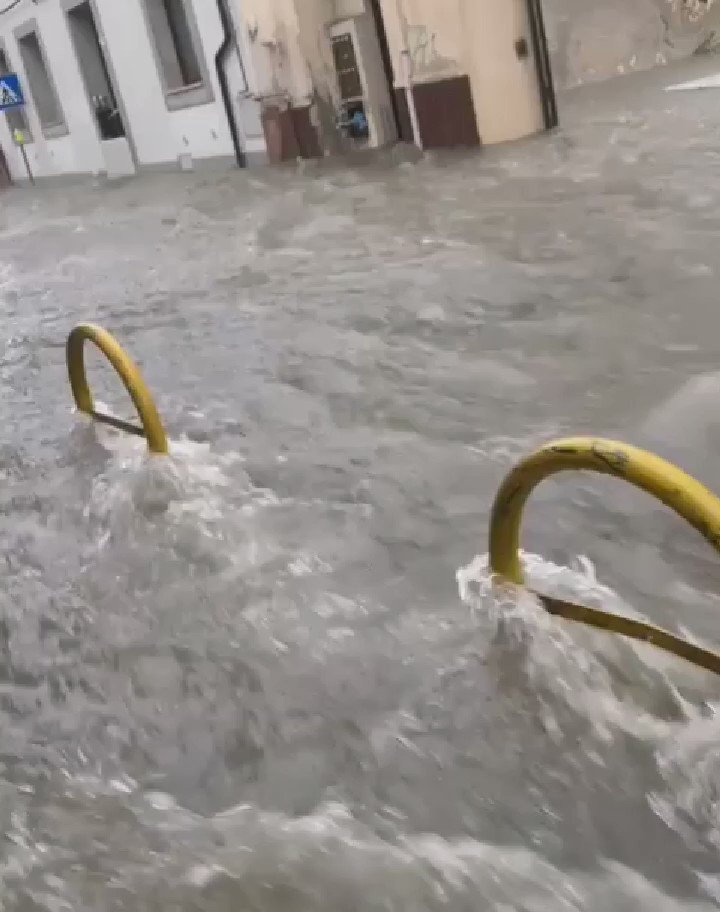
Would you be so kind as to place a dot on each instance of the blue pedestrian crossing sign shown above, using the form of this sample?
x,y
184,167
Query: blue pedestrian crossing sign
x,y
11,95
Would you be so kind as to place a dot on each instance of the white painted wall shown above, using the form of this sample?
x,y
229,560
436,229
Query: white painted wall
x,y
159,135
243,86
77,152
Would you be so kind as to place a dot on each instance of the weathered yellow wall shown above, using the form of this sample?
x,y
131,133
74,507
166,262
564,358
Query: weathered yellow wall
x,y
314,17
446,38
291,38
274,31
434,39
505,87
431,33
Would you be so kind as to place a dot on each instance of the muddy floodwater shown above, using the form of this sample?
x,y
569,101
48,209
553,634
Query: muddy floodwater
x,y
267,673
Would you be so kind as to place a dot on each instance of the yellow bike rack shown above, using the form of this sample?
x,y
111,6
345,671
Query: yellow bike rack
x,y
152,427
663,480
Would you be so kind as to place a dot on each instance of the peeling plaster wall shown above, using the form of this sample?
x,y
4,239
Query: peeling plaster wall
x,y
274,37
432,34
591,40
315,48
292,56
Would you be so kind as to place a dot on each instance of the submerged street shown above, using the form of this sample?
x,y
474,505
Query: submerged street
x,y
266,673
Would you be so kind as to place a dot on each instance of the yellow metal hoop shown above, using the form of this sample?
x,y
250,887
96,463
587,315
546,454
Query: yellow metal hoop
x,y
663,480
152,427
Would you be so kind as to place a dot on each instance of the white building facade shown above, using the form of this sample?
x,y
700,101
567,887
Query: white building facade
x,y
116,87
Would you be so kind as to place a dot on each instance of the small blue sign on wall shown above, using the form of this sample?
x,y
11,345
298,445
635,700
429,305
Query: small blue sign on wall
x,y
11,95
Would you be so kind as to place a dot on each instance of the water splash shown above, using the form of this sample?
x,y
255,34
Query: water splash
x,y
619,683
249,858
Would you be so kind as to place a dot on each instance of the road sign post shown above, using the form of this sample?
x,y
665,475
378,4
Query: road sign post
x,y
11,97
21,141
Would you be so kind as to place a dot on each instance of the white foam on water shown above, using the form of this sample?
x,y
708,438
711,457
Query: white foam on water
x,y
329,859
689,764
261,859
707,82
166,524
250,858
167,483
617,682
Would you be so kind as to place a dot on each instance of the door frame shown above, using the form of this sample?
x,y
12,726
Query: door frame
x,y
378,19
68,6
548,100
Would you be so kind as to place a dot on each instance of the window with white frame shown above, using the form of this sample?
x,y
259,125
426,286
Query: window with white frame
x,y
40,82
16,117
178,52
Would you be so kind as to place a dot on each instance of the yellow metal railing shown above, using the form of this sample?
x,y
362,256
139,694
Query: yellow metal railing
x,y
665,481
152,427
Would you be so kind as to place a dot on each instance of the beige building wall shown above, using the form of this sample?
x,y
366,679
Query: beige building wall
x,y
315,16
428,33
505,86
280,66
432,40
468,83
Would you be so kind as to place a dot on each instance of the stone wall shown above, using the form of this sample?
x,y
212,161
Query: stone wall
x,y
592,40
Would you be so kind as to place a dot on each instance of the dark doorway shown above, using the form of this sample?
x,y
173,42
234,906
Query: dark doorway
x,y
94,70
347,68
355,121
542,64
402,123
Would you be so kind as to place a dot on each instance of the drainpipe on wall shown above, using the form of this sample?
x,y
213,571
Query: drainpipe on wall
x,y
11,6
542,64
225,47
407,78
